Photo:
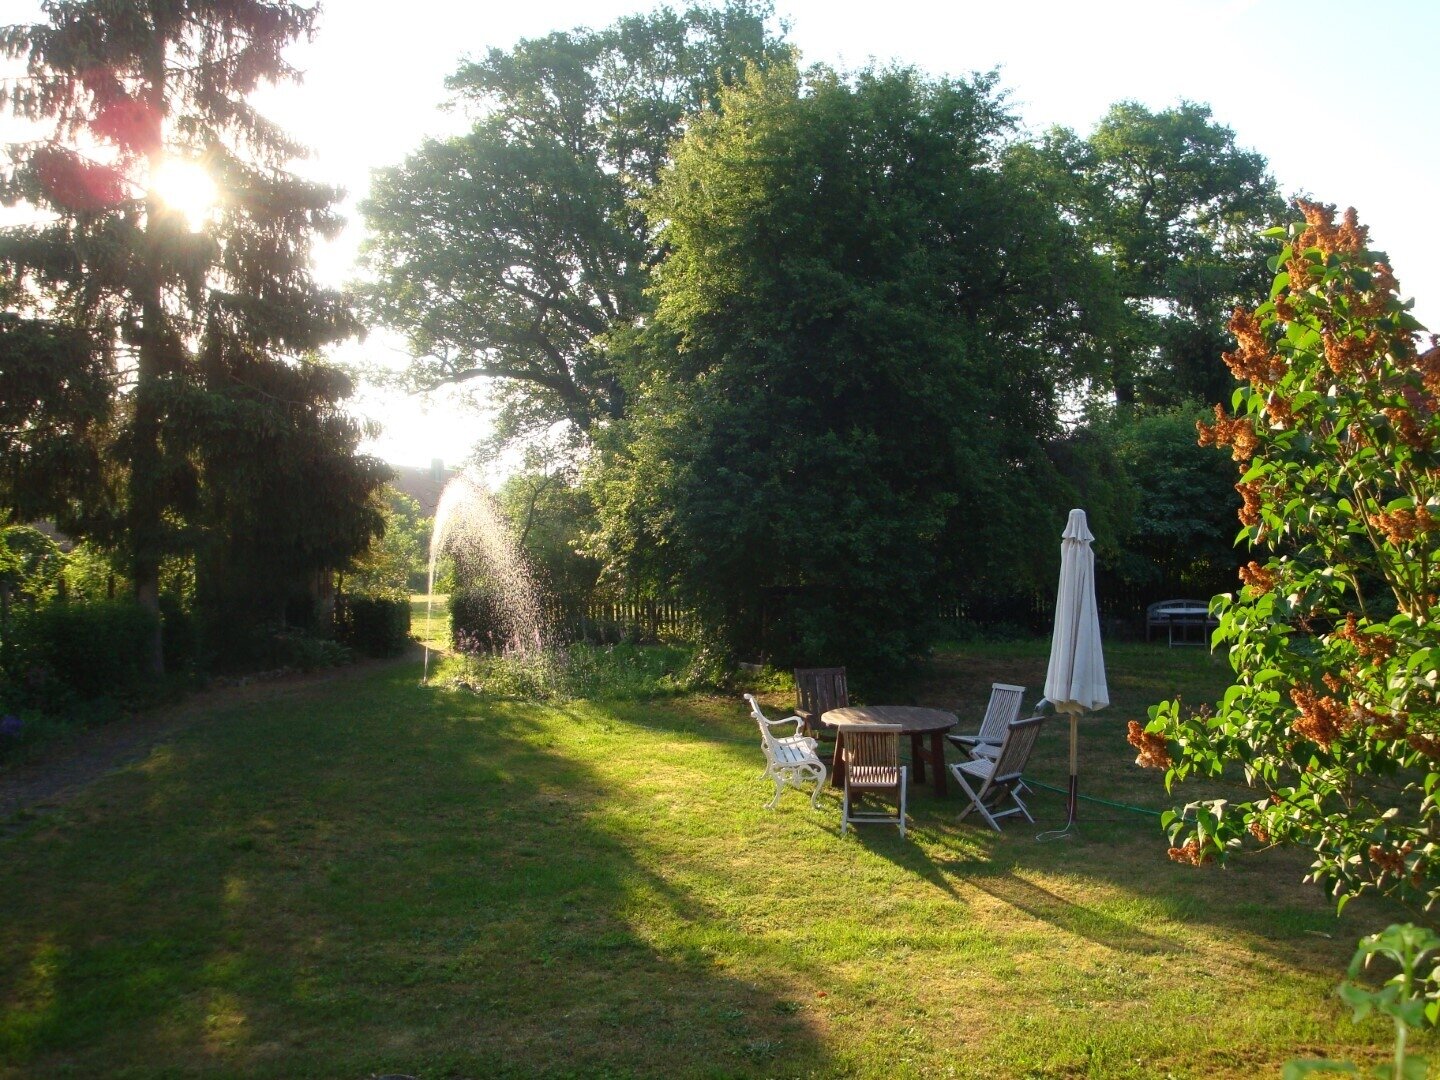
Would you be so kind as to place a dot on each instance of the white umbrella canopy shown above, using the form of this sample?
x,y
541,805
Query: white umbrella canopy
x,y
1075,679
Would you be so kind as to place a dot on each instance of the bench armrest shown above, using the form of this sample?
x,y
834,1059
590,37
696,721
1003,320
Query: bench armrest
x,y
799,724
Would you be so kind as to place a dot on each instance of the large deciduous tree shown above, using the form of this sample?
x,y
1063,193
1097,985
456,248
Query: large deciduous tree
x,y
1174,205
864,322
515,252
225,432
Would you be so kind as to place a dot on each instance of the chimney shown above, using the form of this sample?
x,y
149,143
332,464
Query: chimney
x,y
437,470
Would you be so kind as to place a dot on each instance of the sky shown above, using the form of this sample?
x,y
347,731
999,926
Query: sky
x,y
1342,98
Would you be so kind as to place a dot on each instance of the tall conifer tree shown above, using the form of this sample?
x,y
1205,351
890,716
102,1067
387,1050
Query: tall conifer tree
x,y
220,406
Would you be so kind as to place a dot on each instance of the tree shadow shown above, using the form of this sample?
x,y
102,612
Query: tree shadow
x,y
1261,898
386,880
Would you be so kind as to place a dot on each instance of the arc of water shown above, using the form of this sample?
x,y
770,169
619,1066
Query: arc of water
x,y
468,517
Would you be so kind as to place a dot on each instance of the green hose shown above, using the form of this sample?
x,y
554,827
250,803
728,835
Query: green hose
x,y
1092,798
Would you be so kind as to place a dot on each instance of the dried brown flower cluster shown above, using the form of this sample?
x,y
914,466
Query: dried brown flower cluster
x,y
1190,853
1252,358
1323,233
1279,410
1391,860
1398,727
1238,434
1249,512
1153,751
1349,355
1429,745
1402,526
1259,832
1428,364
1373,647
1322,718
1257,577
1403,422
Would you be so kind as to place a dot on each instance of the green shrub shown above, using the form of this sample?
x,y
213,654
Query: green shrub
x,y
613,673
373,626
69,652
180,632
273,647
477,623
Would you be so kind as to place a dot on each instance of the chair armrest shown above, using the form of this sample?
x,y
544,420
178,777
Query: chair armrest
x,y
972,740
786,720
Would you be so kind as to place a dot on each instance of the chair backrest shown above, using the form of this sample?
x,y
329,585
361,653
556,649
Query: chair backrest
x,y
818,690
872,755
763,722
1004,707
1015,751
755,709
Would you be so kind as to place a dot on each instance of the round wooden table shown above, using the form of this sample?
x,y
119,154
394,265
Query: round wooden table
x,y
912,720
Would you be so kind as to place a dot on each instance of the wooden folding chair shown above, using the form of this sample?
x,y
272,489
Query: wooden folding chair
x,y
872,767
1004,707
999,779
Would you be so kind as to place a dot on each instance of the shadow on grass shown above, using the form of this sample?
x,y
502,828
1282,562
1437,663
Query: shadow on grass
x,y
372,878
1040,903
1261,899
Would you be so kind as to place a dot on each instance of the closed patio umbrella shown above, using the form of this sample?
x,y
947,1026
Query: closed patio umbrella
x,y
1075,679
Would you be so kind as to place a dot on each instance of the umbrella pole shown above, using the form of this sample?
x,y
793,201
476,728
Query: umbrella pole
x,y
1074,771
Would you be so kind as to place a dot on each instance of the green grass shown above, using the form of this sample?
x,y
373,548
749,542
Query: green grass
x,y
430,619
368,876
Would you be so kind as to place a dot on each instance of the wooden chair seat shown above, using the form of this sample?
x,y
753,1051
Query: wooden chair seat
x,y
872,776
872,765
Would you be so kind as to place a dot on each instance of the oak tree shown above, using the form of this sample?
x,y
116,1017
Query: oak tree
x,y
516,252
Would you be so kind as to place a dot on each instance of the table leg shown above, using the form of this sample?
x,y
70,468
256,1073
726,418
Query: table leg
x,y
937,760
917,756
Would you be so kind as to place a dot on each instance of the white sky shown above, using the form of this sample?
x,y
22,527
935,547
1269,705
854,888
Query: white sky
x,y
1342,98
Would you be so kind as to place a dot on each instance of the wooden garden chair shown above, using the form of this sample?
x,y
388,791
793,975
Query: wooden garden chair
x,y
991,782
1002,710
872,767
817,691
790,760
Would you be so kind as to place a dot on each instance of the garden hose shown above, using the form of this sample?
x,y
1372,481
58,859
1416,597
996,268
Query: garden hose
x,y
1092,798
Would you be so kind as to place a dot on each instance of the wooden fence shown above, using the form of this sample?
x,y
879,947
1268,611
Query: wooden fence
x,y
1122,612
608,622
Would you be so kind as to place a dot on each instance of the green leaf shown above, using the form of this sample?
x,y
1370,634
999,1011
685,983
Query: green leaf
x,y
1282,282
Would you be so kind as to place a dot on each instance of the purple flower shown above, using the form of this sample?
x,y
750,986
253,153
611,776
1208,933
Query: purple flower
x,y
10,726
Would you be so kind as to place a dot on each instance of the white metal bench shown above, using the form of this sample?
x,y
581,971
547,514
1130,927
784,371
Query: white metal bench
x,y
790,760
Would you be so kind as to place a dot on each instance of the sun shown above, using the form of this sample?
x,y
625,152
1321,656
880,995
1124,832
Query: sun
x,y
187,187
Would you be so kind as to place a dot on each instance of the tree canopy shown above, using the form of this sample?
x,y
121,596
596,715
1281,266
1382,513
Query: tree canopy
x,y
864,324
1175,207
516,252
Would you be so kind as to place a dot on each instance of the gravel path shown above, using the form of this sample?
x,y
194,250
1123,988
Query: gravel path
x,y
46,784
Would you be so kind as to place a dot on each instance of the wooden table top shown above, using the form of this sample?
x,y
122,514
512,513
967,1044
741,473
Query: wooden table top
x,y
911,718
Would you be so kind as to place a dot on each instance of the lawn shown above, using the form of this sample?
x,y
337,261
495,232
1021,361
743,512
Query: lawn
x,y
367,876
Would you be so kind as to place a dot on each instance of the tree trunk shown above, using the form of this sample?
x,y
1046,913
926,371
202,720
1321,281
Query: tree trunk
x,y
145,511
